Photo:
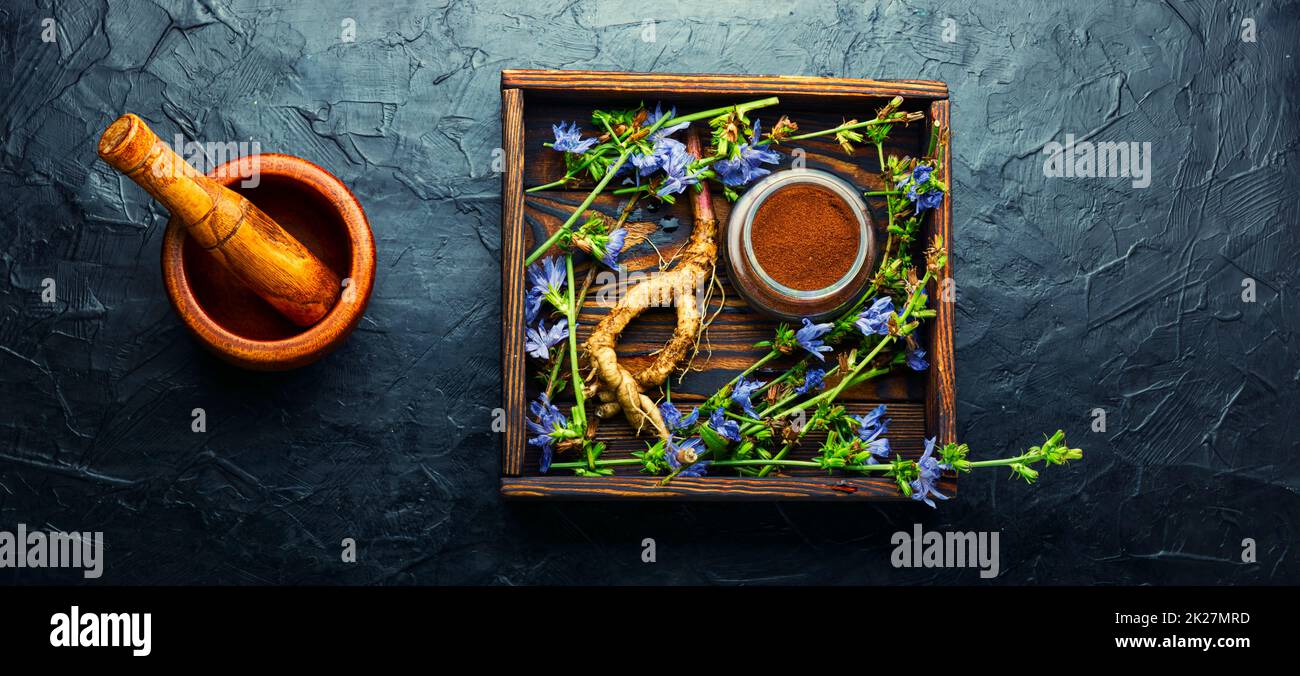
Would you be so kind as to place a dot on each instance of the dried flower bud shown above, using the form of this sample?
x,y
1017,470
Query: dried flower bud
x,y
935,257
582,242
846,137
888,108
733,130
782,130
791,435
776,427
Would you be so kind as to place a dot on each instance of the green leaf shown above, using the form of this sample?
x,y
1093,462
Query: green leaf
x,y
713,441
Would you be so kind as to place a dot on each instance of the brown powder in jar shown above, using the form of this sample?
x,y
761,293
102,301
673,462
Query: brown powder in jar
x,y
805,237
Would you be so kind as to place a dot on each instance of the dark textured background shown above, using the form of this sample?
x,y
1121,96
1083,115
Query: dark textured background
x,y
1073,293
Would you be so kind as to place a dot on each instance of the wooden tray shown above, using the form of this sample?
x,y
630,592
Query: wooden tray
x,y
920,405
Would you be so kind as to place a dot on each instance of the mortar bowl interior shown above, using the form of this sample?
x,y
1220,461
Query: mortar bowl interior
x,y
225,316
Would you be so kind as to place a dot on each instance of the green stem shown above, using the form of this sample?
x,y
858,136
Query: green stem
x,y
777,459
845,127
758,363
559,183
579,410
857,306
857,380
911,302
767,141
555,375
760,463
1002,462
627,152
632,190
573,173
612,135
559,361
598,463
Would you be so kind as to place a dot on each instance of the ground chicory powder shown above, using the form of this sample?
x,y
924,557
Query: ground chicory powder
x,y
805,237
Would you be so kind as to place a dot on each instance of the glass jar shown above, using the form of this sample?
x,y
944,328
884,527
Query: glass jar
x,y
757,286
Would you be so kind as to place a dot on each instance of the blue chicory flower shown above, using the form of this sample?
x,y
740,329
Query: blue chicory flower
x,y
916,360
675,183
875,444
664,152
668,130
809,338
724,426
539,340
545,423
686,457
872,417
875,319
676,177
673,418
930,470
569,140
614,247
871,430
746,165
929,200
813,379
547,275
532,303
921,174
740,395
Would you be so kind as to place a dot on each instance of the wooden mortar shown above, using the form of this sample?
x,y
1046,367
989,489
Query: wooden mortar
x,y
269,277
234,322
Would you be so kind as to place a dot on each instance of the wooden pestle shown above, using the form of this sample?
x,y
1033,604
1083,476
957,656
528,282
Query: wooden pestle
x,y
259,252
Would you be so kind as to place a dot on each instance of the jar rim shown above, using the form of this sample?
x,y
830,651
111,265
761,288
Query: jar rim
x,y
765,188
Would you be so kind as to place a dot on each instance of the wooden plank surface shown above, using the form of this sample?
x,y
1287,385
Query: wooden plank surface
x,y
907,424
727,347
602,83
708,489
942,387
513,363
862,169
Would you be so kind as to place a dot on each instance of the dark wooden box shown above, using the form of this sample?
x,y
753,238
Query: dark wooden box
x,y
920,405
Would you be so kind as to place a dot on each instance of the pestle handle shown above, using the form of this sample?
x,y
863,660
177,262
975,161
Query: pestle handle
x,y
250,244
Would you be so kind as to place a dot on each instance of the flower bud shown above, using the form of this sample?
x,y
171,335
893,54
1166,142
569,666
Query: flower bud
x,y
582,242
1029,474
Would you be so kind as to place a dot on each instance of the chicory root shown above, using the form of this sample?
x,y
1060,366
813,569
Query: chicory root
x,y
619,388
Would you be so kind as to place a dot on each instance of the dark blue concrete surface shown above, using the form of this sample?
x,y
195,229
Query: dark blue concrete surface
x,y
1074,293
